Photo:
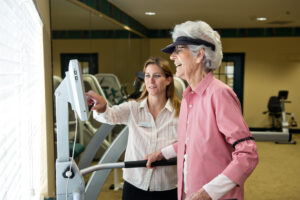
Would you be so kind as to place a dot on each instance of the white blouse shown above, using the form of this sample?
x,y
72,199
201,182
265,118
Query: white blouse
x,y
146,136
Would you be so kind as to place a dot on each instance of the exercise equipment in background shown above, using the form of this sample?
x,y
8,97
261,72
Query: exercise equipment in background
x,y
138,85
279,131
114,92
180,86
79,147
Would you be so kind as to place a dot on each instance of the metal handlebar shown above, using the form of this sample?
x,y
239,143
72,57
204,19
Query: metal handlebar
x,y
128,164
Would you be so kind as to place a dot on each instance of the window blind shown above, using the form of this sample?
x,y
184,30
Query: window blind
x,y
21,99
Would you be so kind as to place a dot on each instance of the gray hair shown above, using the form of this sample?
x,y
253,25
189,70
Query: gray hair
x,y
201,30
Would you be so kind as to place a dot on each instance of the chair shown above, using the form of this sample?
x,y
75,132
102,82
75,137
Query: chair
x,y
274,110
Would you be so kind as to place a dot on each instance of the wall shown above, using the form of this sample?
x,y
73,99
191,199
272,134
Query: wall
x,y
122,57
47,153
271,64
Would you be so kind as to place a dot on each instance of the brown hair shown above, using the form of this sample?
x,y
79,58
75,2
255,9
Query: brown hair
x,y
170,90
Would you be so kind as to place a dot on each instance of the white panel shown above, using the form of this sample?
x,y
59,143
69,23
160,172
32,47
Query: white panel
x,y
21,87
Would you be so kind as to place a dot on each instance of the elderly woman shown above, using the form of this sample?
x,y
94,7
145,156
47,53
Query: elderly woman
x,y
152,122
215,150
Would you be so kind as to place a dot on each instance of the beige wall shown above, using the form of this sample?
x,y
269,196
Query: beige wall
x,y
122,57
156,45
47,153
271,64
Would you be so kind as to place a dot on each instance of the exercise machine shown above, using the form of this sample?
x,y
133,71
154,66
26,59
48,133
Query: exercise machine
x,y
70,183
180,86
138,85
279,132
79,148
99,136
114,92
91,127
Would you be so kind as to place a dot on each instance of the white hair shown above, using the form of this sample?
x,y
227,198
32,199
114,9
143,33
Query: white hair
x,y
201,30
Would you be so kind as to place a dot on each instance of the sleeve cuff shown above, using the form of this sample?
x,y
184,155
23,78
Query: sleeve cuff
x,y
168,152
219,186
100,116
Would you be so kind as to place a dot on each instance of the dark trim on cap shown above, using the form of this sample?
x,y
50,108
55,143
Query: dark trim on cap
x,y
183,40
195,41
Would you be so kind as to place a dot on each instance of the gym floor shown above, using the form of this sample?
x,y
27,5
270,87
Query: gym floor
x,y
277,176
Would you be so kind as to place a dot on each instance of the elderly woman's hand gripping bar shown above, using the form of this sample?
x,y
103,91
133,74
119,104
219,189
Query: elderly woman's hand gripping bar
x,y
127,164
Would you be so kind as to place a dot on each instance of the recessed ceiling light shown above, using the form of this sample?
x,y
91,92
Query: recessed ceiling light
x,y
261,18
150,13
126,27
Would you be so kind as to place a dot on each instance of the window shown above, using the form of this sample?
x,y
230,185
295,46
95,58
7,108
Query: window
x,y
21,99
225,73
231,72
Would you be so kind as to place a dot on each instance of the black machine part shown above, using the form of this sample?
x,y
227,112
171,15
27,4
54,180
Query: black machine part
x,y
142,163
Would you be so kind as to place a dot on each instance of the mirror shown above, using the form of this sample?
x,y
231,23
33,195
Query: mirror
x,y
101,43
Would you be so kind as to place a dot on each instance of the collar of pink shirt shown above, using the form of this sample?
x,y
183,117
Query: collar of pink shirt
x,y
202,85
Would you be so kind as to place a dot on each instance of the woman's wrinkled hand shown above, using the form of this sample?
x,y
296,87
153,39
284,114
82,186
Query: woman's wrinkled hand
x,y
199,195
156,156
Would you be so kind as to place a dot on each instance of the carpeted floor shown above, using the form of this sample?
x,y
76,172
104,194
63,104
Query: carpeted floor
x,y
277,176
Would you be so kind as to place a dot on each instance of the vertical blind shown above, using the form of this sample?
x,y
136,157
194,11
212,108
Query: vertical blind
x,y
21,99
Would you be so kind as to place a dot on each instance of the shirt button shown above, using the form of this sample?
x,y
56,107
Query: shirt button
x,y
190,106
187,122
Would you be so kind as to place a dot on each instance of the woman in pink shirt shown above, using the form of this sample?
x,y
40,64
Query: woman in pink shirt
x,y
215,151
152,122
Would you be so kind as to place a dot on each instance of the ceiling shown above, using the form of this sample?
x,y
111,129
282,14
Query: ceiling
x,y
218,13
66,15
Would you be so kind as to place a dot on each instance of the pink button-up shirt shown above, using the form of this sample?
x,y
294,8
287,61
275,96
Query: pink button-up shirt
x,y
210,122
